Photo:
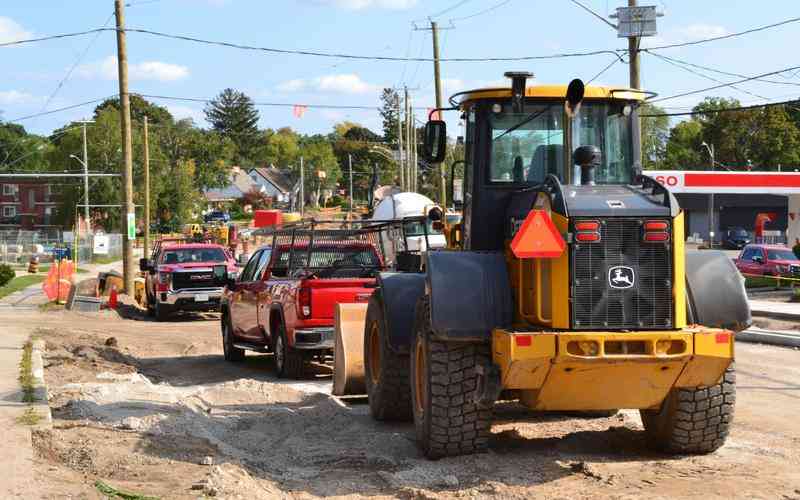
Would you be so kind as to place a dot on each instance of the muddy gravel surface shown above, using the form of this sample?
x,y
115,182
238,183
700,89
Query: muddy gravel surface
x,y
153,408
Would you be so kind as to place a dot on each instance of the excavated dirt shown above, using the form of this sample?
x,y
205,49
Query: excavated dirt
x,y
154,409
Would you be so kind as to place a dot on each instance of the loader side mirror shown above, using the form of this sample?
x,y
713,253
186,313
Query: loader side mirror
x,y
575,92
145,265
435,141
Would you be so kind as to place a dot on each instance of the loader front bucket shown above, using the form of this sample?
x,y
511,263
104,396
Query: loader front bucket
x,y
348,354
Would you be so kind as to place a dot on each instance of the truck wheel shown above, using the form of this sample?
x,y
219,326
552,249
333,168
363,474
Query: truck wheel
x,y
385,372
695,420
447,419
288,362
162,311
231,352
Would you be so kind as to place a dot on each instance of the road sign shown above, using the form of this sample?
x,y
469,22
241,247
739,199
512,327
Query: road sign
x,y
131,226
101,244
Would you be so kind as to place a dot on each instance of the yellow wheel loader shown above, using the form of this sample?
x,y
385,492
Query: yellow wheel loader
x,y
568,287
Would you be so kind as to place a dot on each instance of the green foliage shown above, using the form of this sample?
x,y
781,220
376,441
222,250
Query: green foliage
x,y
234,115
684,151
280,148
6,274
256,199
655,134
21,151
352,141
390,109
322,168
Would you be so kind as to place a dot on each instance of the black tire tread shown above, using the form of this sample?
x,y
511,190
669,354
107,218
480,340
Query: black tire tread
x,y
456,425
293,360
390,399
694,420
232,354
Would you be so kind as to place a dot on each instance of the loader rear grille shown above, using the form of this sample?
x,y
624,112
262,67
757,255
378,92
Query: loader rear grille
x,y
620,281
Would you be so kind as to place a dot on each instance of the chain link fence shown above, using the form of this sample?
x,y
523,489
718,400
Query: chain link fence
x,y
17,246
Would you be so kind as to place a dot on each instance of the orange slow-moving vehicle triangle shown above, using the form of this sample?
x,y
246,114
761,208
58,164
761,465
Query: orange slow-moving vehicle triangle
x,y
538,237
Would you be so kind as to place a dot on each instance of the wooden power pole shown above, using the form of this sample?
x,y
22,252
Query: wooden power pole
x,y
128,214
146,250
438,82
633,51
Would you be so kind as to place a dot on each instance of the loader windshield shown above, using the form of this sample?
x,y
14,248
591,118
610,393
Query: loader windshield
x,y
526,147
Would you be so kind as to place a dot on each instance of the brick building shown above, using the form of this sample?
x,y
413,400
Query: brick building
x,y
27,204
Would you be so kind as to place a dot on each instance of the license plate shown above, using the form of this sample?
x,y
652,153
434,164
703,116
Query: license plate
x,y
201,297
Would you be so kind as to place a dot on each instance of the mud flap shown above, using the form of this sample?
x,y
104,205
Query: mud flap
x,y
401,291
470,294
716,295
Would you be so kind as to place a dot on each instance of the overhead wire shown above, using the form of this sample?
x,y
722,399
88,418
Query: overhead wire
x,y
58,110
314,53
603,71
724,110
725,37
449,9
721,72
485,11
717,87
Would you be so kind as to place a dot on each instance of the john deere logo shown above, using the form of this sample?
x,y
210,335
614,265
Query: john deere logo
x,y
621,277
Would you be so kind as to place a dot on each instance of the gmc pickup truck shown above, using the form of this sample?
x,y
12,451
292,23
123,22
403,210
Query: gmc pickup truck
x,y
284,300
185,277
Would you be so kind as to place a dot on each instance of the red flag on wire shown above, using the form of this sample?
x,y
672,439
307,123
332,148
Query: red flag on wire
x,y
434,115
299,110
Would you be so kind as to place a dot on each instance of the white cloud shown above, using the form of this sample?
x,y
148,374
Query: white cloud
x,y
183,112
337,84
11,31
365,4
148,70
12,97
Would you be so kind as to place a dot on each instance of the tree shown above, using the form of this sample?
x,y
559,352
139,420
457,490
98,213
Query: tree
x,y
280,148
683,151
356,142
390,111
257,199
140,107
234,115
20,150
319,157
655,134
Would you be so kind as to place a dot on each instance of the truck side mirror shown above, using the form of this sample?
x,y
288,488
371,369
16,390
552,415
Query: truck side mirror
x,y
145,265
435,141
758,258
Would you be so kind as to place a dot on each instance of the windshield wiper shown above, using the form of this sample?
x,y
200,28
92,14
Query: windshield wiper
x,y
525,121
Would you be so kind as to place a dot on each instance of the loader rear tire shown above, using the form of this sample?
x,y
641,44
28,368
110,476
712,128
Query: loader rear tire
x,y
695,420
447,419
385,372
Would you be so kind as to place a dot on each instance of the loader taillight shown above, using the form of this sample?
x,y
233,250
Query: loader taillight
x,y
304,299
587,237
587,231
656,231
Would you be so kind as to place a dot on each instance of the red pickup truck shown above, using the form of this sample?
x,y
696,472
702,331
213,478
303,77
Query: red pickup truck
x,y
283,301
185,277
769,260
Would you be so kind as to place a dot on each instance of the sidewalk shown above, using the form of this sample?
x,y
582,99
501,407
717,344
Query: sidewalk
x,y
16,454
777,310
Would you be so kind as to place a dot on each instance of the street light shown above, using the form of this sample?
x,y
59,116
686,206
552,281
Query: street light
x,y
710,150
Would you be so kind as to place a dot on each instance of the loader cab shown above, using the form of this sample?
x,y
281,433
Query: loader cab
x,y
514,142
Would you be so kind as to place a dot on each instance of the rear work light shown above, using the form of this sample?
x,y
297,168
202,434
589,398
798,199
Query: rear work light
x,y
656,231
587,231
304,299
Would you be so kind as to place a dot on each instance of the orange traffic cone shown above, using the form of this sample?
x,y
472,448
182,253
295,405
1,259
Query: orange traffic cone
x,y
112,298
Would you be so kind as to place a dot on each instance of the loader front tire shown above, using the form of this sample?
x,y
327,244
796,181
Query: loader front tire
x,y
385,371
694,420
447,419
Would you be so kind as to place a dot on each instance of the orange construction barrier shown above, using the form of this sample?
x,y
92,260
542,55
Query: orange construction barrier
x,y
57,284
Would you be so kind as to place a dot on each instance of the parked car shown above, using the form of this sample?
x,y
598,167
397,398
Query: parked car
x,y
736,238
285,297
186,277
768,260
217,216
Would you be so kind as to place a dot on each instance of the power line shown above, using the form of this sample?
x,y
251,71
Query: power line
x,y
602,71
451,8
697,73
58,110
724,110
713,70
334,55
725,37
716,87
266,104
595,14
485,11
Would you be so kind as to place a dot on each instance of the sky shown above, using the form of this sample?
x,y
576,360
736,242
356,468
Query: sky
x,y
30,74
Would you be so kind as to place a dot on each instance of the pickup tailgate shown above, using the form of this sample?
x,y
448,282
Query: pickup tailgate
x,y
326,293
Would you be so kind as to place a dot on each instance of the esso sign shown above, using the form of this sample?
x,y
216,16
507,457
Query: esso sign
x,y
667,180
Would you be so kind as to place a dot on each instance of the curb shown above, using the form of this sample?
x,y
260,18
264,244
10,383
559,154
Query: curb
x,y
776,315
41,405
780,338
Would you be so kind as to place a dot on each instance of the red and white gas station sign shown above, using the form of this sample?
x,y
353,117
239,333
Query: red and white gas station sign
x,y
680,181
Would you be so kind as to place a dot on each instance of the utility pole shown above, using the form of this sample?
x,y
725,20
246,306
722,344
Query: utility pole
x,y
633,51
710,149
350,166
146,191
409,166
128,214
414,139
85,176
302,188
438,82
400,145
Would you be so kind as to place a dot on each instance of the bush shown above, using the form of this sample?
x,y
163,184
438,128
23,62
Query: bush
x,y
6,274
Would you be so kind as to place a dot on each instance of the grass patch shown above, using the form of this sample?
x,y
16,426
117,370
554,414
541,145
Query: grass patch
x,y
30,417
51,306
111,492
104,259
26,379
20,283
767,281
